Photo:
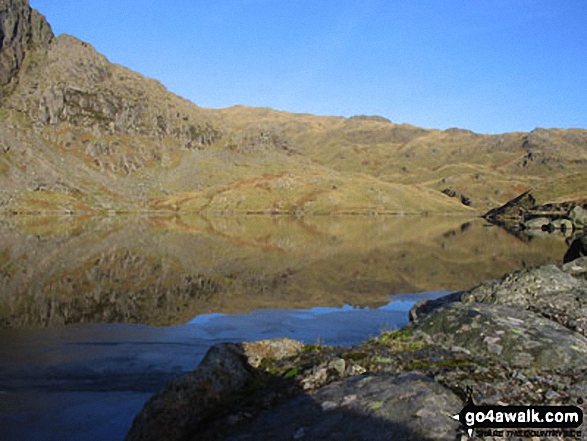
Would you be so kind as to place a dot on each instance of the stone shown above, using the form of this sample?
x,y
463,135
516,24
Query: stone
x,y
576,267
537,223
226,368
513,209
577,249
507,333
425,307
547,290
578,217
526,287
405,406
21,28
175,411
275,349
563,225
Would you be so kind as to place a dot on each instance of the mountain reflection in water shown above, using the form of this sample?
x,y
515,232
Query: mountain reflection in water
x,y
165,270
227,278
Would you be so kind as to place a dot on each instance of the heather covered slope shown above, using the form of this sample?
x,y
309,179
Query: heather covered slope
x,y
80,134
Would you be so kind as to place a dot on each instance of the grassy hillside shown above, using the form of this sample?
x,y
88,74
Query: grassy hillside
x,y
80,134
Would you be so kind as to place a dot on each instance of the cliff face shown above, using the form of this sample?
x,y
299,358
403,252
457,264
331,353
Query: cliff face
x,y
21,28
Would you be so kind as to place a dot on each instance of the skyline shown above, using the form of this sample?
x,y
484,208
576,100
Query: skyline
x,y
492,67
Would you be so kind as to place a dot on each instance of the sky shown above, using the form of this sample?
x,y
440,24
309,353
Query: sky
x,y
490,66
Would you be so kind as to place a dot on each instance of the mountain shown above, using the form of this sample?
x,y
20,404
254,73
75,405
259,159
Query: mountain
x,y
81,134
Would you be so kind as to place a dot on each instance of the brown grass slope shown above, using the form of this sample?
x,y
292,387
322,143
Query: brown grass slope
x,y
80,134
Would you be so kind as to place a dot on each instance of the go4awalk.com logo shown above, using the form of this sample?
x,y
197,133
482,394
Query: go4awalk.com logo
x,y
525,421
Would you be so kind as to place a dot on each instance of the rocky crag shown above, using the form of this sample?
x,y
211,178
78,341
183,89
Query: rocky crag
x,y
22,29
79,134
518,340
525,212
525,218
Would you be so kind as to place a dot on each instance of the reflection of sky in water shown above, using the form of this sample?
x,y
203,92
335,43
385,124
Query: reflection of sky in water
x,y
90,381
346,325
401,302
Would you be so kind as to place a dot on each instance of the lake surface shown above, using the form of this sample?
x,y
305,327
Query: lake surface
x,y
98,313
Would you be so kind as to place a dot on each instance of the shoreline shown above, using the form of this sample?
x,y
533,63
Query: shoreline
x,y
504,339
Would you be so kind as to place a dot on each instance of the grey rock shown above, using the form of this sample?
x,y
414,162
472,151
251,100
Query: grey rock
x,y
577,267
547,290
563,225
577,249
275,349
21,28
510,334
578,216
536,223
180,407
174,411
425,307
407,406
523,288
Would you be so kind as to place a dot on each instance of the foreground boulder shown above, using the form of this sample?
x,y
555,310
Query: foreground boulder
x,y
190,400
385,407
514,335
548,291
186,402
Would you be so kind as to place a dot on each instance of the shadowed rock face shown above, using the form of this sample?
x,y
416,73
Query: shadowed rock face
x,y
192,398
21,27
377,407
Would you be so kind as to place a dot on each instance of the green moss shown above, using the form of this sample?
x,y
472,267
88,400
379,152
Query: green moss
x,y
311,348
401,340
291,373
269,367
376,405
399,335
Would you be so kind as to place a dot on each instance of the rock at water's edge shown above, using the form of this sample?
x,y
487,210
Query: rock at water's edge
x,y
180,407
510,334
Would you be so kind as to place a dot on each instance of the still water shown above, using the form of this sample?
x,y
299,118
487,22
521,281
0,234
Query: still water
x,y
98,313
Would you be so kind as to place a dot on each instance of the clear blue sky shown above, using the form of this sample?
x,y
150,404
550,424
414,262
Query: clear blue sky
x,y
490,66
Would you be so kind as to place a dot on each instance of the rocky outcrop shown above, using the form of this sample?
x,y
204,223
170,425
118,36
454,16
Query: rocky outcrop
x,y
451,193
578,215
513,335
21,28
371,407
187,402
517,340
523,217
548,291
577,249
513,209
